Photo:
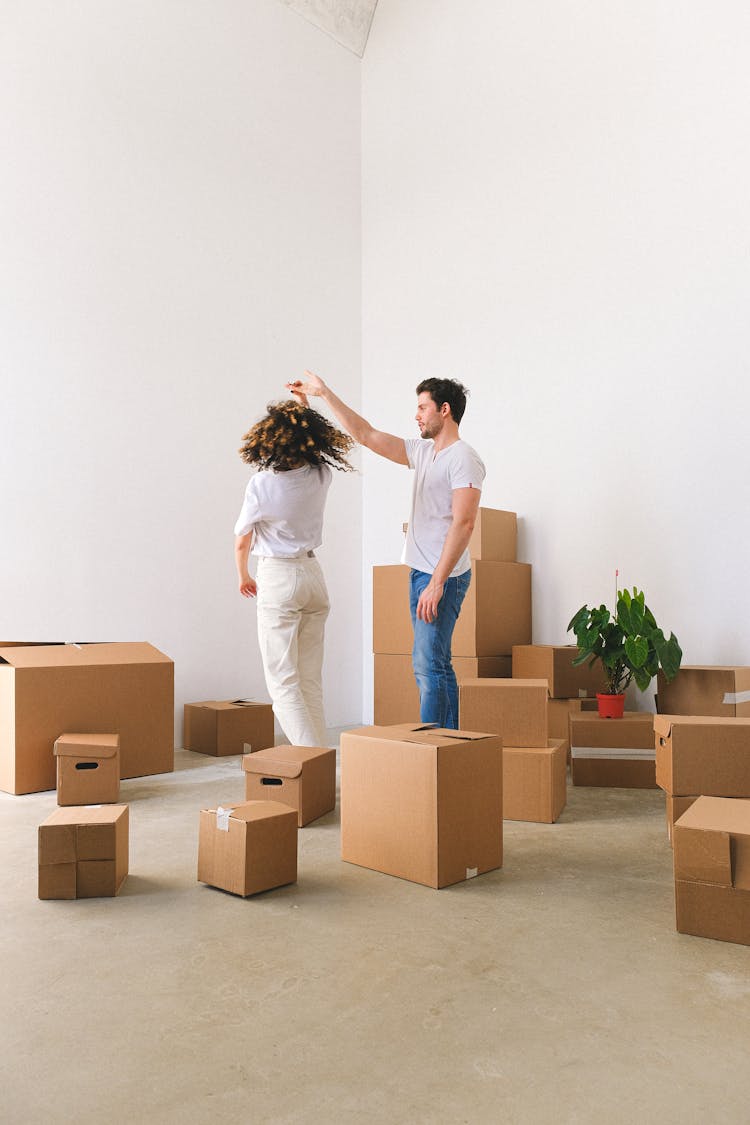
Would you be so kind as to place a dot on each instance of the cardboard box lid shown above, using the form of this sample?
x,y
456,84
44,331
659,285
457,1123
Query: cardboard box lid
x,y
285,761
86,814
664,724
70,655
228,704
249,811
87,745
718,814
712,842
421,734
503,684
554,746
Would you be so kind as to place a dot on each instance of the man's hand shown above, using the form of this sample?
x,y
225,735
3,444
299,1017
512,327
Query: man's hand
x,y
248,587
312,387
429,600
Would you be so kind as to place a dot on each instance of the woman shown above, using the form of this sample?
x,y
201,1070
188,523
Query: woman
x,y
281,521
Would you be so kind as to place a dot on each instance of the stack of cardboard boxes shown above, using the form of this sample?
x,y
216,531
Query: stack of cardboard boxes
x,y
571,690
496,614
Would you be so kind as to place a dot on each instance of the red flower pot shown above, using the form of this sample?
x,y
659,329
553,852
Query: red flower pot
x,y
610,706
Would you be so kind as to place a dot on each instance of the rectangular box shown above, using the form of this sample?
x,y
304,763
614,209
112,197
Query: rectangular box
x,y
722,691
303,777
88,769
494,537
421,803
698,754
495,615
712,869
396,694
514,709
554,663
558,712
83,852
222,727
534,781
248,848
616,753
126,688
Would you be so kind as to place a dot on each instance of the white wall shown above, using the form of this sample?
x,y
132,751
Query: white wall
x,y
180,231
555,211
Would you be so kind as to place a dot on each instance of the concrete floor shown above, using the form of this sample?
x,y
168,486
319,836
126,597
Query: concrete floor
x,y
555,990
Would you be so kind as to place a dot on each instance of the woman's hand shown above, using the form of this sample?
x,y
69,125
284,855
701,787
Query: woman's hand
x,y
248,587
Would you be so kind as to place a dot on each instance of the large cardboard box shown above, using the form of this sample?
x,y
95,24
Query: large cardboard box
x,y
222,727
88,769
534,781
558,712
45,690
554,663
712,869
303,777
495,615
719,690
699,754
248,848
495,535
396,693
514,709
617,753
83,852
421,803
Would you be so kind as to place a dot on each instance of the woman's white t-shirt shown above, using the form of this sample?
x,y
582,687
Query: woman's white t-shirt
x,y
285,510
436,476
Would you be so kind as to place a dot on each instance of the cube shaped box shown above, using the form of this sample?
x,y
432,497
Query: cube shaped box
x,y
514,709
88,769
422,803
722,691
396,693
613,752
126,688
534,781
712,869
248,848
83,852
699,754
222,727
554,663
494,537
303,777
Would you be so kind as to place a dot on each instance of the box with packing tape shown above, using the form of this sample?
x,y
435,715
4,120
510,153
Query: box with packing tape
x,y
722,691
222,727
248,848
303,777
83,852
712,869
617,753
88,769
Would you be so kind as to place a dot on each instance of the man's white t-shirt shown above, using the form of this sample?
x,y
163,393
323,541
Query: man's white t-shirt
x,y
436,476
285,510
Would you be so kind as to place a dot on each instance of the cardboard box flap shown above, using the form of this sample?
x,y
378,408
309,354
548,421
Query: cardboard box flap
x,y
663,725
438,736
89,746
702,857
84,655
271,767
254,810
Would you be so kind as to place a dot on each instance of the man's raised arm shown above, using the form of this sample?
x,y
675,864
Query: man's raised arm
x,y
387,445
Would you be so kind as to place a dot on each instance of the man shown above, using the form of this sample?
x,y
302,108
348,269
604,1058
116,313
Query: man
x,y
447,489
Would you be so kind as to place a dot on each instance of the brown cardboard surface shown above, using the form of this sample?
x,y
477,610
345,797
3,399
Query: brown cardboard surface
x,y
699,754
554,663
88,769
396,693
534,781
496,613
616,753
558,711
494,537
675,807
222,727
711,911
421,804
46,690
257,852
83,852
515,709
712,869
303,777
706,690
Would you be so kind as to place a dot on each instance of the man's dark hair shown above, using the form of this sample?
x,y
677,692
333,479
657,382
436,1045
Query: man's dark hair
x,y
446,390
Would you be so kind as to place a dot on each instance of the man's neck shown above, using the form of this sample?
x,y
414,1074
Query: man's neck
x,y
449,435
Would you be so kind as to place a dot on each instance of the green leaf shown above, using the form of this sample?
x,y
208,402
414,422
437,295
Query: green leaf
x,y
671,657
637,650
642,678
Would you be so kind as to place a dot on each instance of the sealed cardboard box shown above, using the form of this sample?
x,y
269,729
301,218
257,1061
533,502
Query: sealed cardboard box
x,y
494,537
303,777
396,694
712,869
495,615
248,848
699,754
514,709
422,803
534,781
83,852
554,663
222,727
718,690
558,711
617,753
126,688
88,769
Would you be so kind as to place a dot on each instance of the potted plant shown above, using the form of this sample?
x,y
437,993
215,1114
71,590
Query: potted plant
x,y
629,644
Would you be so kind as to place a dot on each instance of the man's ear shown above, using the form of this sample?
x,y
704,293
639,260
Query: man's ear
x,y
445,409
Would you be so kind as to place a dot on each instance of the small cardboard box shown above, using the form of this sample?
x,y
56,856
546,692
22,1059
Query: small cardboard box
x,y
718,690
303,777
554,663
222,727
495,535
88,769
47,689
675,807
396,693
616,753
712,869
699,754
558,711
422,803
514,709
248,848
495,615
534,781
83,852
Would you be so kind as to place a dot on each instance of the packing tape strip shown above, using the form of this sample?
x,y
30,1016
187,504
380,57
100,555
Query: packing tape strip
x,y
222,818
612,752
734,697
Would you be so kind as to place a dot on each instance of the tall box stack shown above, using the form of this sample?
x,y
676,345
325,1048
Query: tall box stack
x,y
572,690
496,614
617,753
712,870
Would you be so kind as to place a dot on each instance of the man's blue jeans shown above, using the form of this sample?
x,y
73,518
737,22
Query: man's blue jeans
x,y
431,655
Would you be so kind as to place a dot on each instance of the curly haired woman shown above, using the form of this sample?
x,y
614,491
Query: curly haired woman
x,y
281,523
